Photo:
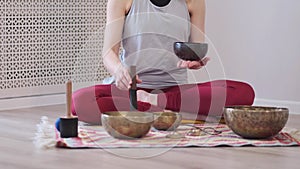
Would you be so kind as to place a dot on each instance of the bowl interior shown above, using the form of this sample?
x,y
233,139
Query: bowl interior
x,y
139,117
190,51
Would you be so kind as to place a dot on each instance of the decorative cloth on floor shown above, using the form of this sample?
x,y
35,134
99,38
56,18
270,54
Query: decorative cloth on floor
x,y
96,137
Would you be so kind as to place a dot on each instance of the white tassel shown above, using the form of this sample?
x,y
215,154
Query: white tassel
x,y
45,135
295,133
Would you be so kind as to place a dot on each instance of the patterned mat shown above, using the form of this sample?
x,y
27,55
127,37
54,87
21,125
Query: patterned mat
x,y
96,137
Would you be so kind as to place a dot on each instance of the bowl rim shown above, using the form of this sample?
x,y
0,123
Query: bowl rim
x,y
257,108
192,43
167,113
126,113
144,117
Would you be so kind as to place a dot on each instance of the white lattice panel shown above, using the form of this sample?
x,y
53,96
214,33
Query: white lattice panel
x,y
46,42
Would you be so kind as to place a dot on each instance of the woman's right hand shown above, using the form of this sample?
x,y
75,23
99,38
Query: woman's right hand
x,y
123,79
193,64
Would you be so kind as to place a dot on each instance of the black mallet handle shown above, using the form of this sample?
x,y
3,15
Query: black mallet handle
x,y
132,90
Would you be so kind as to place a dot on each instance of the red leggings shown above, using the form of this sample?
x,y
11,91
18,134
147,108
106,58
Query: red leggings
x,y
199,99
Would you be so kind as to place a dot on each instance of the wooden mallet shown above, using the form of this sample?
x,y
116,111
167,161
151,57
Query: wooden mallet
x,y
68,125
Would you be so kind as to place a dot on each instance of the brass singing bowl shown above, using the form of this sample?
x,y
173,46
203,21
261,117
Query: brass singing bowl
x,y
255,122
127,124
167,121
190,51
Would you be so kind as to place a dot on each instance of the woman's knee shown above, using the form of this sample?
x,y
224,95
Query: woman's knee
x,y
84,105
244,93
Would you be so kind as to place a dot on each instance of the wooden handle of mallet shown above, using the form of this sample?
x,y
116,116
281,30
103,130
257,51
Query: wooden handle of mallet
x,y
69,98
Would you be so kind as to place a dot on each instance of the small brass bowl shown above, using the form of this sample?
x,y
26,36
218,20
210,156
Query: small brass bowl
x,y
255,122
127,124
167,121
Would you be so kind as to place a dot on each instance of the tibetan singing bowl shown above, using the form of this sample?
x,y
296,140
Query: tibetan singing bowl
x,y
255,122
167,121
190,51
127,124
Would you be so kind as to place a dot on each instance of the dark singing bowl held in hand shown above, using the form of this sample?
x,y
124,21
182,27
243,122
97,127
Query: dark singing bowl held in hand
x,y
255,122
190,51
127,124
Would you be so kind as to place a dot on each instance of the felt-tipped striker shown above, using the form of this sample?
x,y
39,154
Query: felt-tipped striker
x,y
68,125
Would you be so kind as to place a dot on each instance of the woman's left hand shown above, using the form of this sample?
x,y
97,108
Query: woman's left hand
x,y
193,64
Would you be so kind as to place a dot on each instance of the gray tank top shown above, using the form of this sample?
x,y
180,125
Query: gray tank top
x,y
148,36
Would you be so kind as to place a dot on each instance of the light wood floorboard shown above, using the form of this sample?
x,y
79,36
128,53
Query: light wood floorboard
x,y
17,151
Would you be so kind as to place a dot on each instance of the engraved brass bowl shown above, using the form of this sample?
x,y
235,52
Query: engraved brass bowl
x,y
127,124
167,121
255,122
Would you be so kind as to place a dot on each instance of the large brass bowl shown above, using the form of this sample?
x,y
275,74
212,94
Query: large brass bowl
x,y
255,122
127,124
167,121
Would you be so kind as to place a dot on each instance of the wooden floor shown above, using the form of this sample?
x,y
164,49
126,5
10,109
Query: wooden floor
x,y
17,128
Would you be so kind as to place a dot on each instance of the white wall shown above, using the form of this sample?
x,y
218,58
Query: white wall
x,y
258,41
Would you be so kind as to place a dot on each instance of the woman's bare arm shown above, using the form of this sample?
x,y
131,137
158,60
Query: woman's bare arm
x,y
197,10
116,11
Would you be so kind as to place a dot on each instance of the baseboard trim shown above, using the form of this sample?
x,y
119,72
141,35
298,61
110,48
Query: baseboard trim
x,y
34,101
37,96
293,106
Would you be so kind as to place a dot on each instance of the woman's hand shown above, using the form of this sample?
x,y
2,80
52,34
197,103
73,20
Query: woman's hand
x,y
123,79
193,64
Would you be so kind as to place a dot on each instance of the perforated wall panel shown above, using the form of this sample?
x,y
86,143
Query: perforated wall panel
x,y
47,42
